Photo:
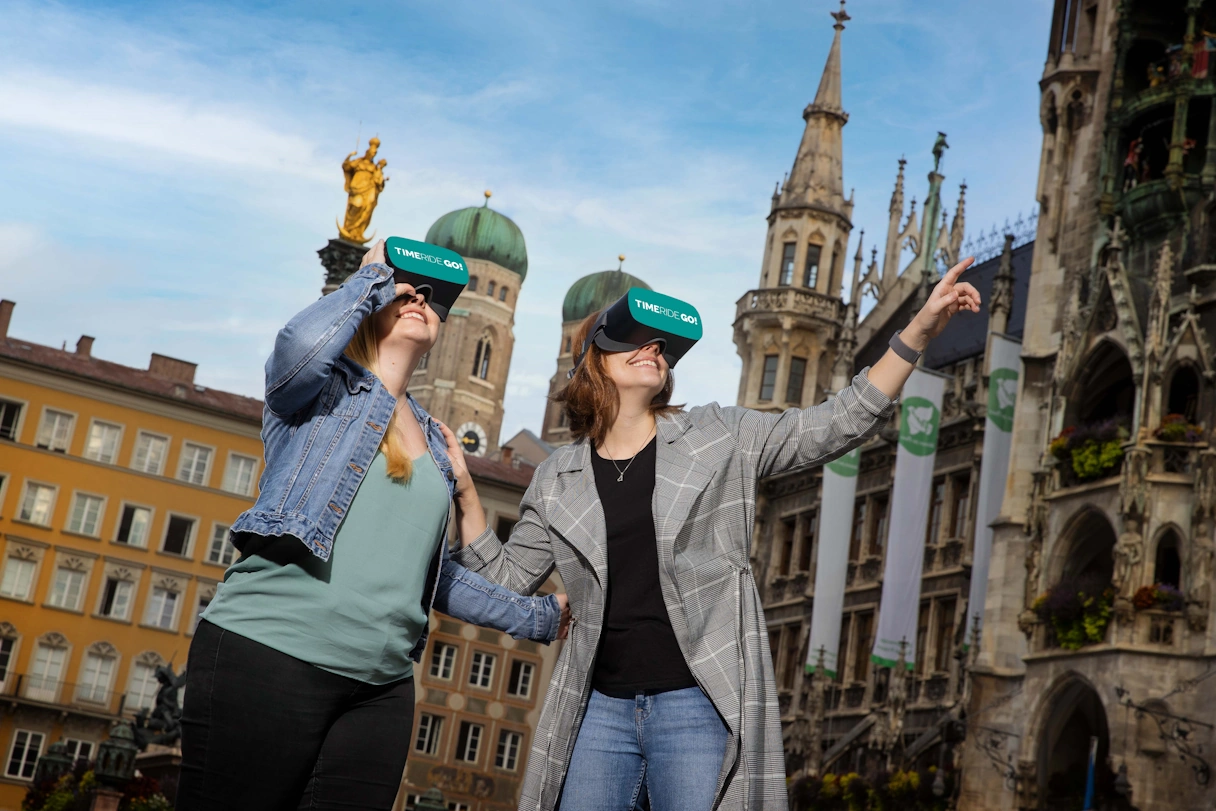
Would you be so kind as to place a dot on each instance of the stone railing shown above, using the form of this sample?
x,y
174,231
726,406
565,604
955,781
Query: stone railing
x,y
790,300
1179,458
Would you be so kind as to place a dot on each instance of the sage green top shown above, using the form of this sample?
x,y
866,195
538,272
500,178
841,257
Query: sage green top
x,y
360,613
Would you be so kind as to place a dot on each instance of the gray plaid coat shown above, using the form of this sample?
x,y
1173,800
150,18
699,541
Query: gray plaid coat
x,y
708,462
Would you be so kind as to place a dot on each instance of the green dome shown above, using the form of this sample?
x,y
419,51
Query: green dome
x,y
480,232
596,291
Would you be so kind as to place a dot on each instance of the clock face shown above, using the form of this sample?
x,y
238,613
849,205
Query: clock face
x,y
472,438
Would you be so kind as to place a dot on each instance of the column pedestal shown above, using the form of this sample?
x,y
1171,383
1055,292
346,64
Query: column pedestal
x,y
340,259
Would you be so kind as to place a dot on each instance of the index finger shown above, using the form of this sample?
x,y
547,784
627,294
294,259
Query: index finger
x,y
953,273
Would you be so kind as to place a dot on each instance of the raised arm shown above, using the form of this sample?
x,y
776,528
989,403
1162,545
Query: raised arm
x,y
307,347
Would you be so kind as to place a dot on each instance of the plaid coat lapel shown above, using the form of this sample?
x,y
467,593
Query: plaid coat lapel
x,y
577,513
679,479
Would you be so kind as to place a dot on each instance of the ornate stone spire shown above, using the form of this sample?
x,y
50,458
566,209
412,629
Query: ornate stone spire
x,y
1001,301
890,257
959,222
817,177
846,343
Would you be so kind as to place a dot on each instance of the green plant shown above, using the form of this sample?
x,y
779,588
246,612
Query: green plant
x,y
1176,428
1078,611
1091,450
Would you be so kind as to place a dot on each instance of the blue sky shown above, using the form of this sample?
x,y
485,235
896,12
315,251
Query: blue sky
x,y
168,171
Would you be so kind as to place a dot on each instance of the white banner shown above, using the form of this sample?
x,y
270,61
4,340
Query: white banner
x,y
920,416
832,560
1004,360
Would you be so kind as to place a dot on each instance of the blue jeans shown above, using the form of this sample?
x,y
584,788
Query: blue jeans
x,y
669,744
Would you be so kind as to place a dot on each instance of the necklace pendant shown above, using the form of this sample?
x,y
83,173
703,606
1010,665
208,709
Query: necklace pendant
x,y
621,477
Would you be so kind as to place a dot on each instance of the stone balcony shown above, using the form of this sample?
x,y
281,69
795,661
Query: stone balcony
x,y
787,301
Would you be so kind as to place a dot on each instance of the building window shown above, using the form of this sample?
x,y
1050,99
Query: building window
x,y
878,512
842,648
55,433
944,635
567,349
43,683
520,683
102,443
178,535
116,598
509,744
134,525
482,670
793,646
810,273
37,504
922,636
481,359
454,806
10,416
443,657
859,529
27,747
162,608
150,452
937,500
85,518
793,390
960,494
429,727
7,644
472,286
502,294
863,634
241,474
77,749
490,289
787,264
810,526
468,742
221,550
95,678
769,381
786,562
1167,563
194,464
67,589
18,578
141,687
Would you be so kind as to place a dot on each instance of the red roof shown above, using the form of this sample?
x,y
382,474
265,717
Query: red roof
x,y
484,468
127,377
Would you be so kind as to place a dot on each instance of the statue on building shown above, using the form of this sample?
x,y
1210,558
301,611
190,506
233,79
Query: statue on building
x,y
364,181
163,725
1128,552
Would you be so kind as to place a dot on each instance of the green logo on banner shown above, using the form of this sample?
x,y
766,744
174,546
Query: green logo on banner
x,y
848,464
918,426
1002,393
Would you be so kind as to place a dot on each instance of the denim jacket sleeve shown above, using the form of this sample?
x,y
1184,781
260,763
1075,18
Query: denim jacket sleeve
x,y
307,347
473,599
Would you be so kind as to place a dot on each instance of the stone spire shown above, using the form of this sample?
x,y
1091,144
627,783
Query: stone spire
x,y
890,259
846,343
959,222
817,177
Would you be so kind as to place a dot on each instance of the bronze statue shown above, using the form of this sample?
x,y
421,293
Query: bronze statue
x,y
164,724
364,181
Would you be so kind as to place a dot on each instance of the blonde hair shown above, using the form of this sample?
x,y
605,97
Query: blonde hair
x,y
362,350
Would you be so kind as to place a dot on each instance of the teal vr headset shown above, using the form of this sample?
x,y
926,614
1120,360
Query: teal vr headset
x,y
437,274
642,317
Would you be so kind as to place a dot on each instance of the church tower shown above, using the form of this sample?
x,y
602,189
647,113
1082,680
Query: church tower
x,y
786,328
462,380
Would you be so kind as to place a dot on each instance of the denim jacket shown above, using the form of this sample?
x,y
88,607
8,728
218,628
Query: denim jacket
x,y
322,424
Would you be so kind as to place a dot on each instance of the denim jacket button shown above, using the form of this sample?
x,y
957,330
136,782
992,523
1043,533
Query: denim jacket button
x,y
451,475
373,425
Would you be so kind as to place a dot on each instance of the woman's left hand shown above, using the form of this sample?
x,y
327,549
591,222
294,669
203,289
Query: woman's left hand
x,y
949,296
460,469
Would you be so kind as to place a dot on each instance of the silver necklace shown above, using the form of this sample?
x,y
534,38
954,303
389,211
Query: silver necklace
x,y
621,471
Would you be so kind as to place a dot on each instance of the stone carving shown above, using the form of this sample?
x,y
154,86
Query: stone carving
x,y
1202,562
1133,487
1129,551
163,725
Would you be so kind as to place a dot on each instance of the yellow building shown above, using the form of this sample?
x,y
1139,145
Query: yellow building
x,y
117,486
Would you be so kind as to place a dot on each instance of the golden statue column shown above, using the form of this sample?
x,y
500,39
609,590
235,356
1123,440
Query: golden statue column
x,y
364,181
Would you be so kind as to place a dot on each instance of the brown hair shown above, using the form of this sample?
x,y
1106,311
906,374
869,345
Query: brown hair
x,y
362,350
590,399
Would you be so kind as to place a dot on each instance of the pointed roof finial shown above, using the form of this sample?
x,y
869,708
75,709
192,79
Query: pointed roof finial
x,y
841,17
488,194
621,257
827,97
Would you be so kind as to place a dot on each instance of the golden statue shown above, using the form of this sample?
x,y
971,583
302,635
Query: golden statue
x,y
364,181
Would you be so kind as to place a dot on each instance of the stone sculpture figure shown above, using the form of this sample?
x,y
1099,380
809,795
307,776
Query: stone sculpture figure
x,y
364,181
1129,550
163,725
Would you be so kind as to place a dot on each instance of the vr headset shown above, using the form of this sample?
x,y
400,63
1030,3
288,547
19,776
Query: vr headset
x,y
642,317
437,274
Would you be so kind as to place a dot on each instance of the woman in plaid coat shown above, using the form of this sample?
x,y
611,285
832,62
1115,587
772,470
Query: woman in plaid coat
x,y
666,685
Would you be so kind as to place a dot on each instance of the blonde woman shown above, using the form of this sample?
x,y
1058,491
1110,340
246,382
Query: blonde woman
x,y
299,690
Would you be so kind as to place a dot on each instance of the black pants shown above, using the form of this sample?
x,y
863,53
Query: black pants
x,y
263,730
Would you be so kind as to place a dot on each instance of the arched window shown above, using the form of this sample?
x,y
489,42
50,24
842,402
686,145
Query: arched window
x,y
8,650
1105,388
96,678
567,343
1184,393
490,289
472,284
423,361
481,358
1168,568
810,276
502,294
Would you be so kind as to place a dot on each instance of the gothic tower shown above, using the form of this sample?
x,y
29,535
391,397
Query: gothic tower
x,y
462,379
785,329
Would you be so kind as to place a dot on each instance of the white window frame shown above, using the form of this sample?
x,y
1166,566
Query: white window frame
x,y
227,552
5,476
25,759
503,758
80,595
93,423
164,535
43,693
177,609
101,597
101,513
11,664
133,707
33,581
51,510
71,432
531,678
122,508
226,484
433,733
473,741
160,469
181,458
481,676
88,693
444,664
74,751
24,405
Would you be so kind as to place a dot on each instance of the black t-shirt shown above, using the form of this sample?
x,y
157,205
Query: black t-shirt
x,y
638,649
